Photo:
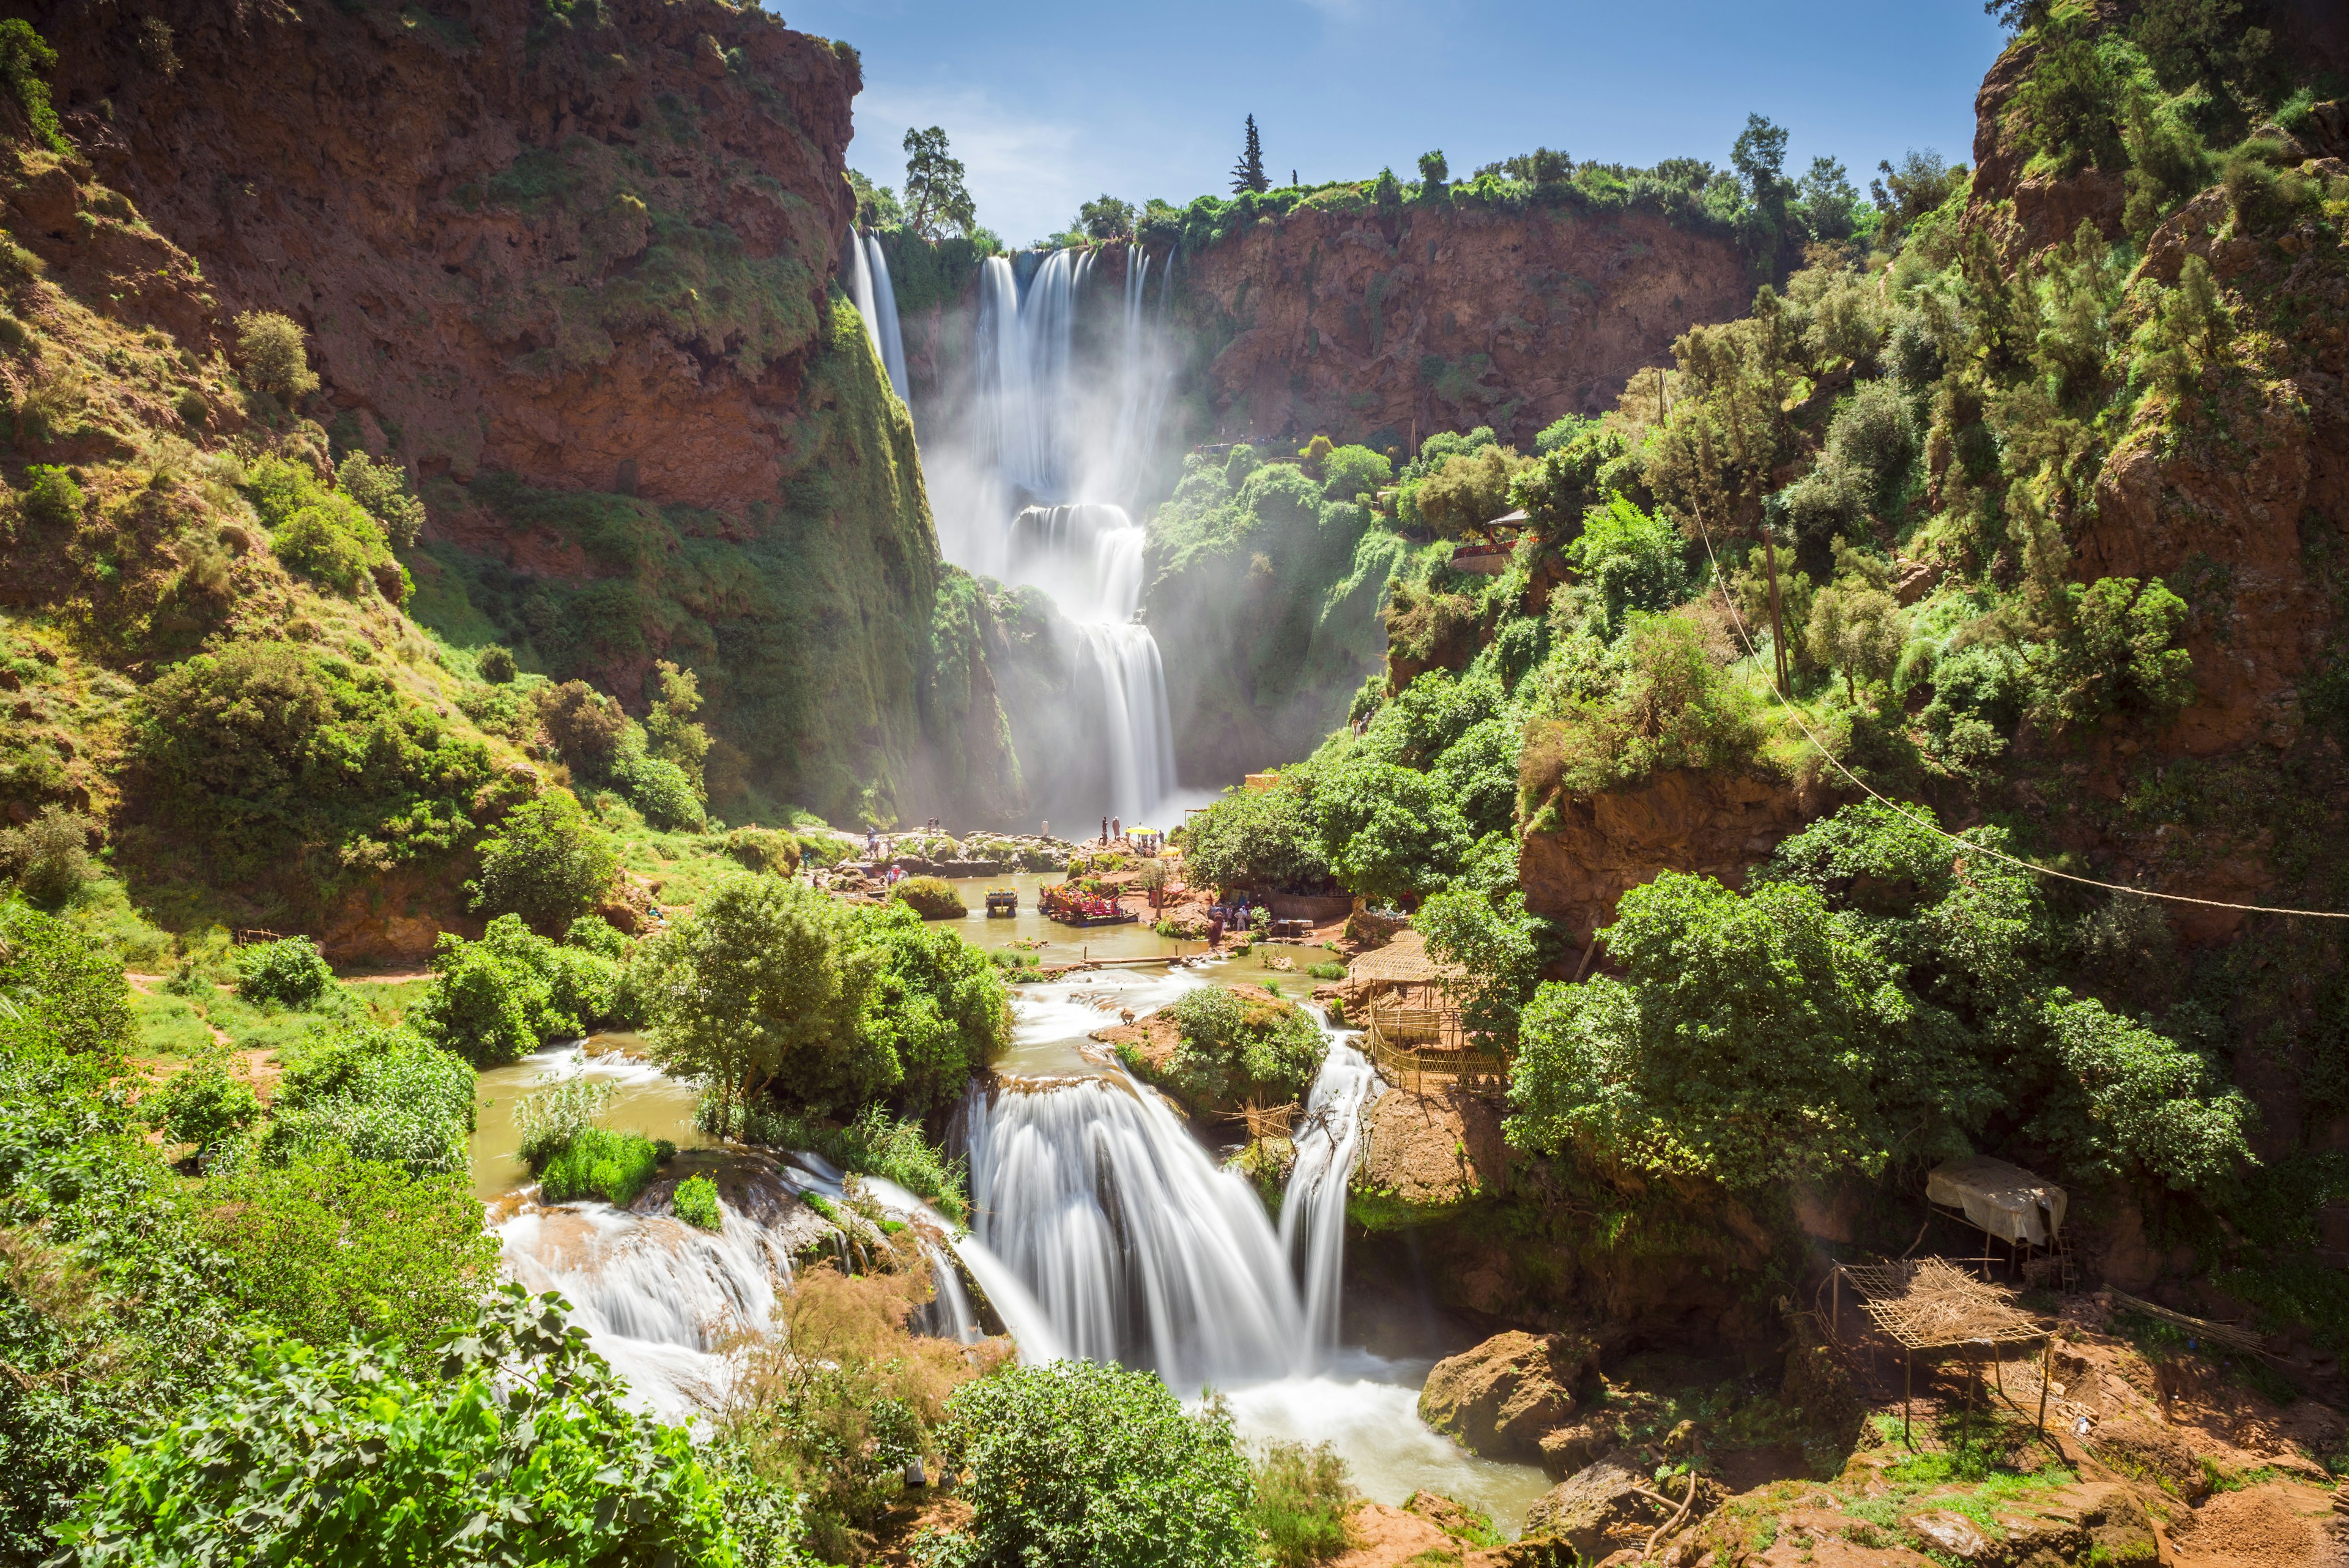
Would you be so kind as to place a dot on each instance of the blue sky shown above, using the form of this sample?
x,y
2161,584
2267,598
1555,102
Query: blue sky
x,y
1049,104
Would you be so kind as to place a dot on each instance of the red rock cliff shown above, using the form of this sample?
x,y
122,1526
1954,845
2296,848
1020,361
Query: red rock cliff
x,y
584,244
1444,317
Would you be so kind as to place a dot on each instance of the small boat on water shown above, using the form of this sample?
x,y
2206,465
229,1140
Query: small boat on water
x,y
1082,908
1002,903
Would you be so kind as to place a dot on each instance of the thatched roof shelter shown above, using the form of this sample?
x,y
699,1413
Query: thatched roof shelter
x,y
1403,962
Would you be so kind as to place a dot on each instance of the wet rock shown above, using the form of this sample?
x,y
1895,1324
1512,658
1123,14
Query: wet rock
x,y
1500,1398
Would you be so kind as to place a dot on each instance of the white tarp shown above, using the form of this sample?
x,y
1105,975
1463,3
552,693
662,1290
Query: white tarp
x,y
2004,1199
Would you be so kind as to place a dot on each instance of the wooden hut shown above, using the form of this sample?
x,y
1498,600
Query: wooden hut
x,y
1407,1002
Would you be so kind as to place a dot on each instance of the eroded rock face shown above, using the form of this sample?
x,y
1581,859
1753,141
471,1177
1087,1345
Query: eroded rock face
x,y
1334,322
1598,1510
1428,1153
1717,825
1500,1398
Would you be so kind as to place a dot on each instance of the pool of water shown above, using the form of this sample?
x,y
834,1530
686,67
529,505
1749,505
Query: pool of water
x,y
643,1100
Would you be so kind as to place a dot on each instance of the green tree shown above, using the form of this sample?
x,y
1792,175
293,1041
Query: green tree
x,y
25,58
291,972
1433,170
207,1106
1468,491
584,725
1752,1040
937,202
270,347
1856,627
1249,173
671,733
1388,833
64,994
2112,653
48,857
1233,1050
383,489
1077,1464
938,1011
1257,841
753,988
546,862
1829,201
1497,942
522,1450
1106,218
877,206
1918,185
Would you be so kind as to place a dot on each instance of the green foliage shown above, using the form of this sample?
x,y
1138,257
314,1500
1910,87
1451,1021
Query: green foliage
x,y
65,995
770,987
264,749
764,850
548,1120
330,1246
876,205
1106,218
656,787
695,1201
1855,625
206,1106
1497,942
52,499
382,1095
1612,716
599,1162
496,665
498,999
545,862
351,1455
1076,1463
1247,174
290,972
48,857
1388,831
1257,841
1634,559
270,346
1302,1501
936,200
873,1143
383,489
1354,474
2112,654
931,897
25,58
1235,1050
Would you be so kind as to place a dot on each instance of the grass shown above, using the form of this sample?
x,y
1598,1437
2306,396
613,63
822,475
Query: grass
x,y
600,1163
696,1203
1327,971
872,1145
1302,1501
170,1027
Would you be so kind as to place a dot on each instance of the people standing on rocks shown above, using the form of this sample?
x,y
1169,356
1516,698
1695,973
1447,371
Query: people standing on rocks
x,y
1116,829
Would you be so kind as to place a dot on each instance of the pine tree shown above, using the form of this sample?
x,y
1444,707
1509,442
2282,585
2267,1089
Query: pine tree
x,y
1249,173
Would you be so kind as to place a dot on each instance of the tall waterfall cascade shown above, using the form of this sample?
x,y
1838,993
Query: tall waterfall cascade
x,y
1034,469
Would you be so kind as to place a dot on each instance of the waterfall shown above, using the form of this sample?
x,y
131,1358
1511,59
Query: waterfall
x,y
860,290
1313,1211
1136,1247
888,340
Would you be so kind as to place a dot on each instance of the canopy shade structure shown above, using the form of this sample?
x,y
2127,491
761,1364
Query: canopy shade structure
x,y
1401,962
2006,1200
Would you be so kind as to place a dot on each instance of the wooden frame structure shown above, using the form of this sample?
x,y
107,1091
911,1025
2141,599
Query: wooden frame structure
x,y
1928,1305
1413,1029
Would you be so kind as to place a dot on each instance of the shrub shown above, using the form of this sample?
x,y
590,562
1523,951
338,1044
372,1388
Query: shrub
x,y
48,857
291,972
25,58
545,862
383,1095
931,897
350,1455
1076,1463
383,489
1355,473
51,497
65,994
599,1162
1633,558
1468,490
1257,840
1302,1504
270,344
1390,833
1660,703
656,787
496,665
206,1106
551,1117
584,725
334,541
874,1144
2112,654
764,850
330,1246
696,1202
495,999
1234,1049
1327,971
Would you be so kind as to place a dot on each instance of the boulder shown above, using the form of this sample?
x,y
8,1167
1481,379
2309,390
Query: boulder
x,y
1598,1511
1567,1449
1500,1398
1950,1533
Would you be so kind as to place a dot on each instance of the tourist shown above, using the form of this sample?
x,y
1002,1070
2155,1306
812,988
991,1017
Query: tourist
x,y
1116,829
1104,839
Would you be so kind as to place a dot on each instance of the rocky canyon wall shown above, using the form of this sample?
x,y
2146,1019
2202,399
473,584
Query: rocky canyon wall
x,y
573,262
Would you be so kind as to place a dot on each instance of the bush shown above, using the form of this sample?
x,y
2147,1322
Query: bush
x,y
1302,1504
48,857
207,1106
1390,833
291,972
1634,559
584,724
658,787
25,58
65,996
1235,1049
383,489
599,1162
1659,702
1077,1464
696,1202
330,1246
349,1455
496,665
270,346
931,897
764,850
873,1145
1327,971
383,1095
51,497
494,1001
545,862
551,1117
1468,490
1256,841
